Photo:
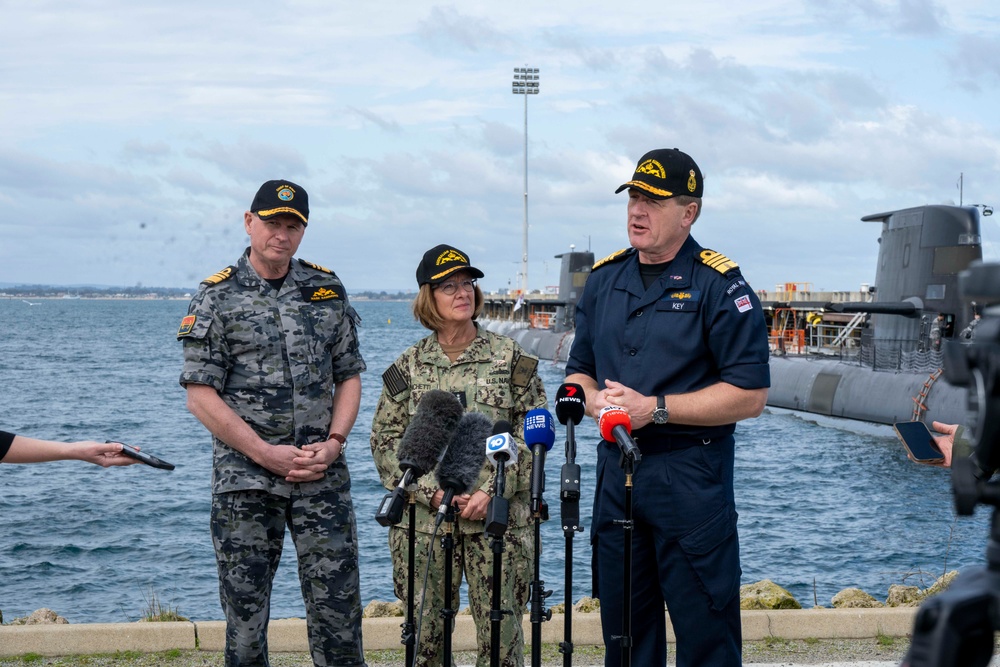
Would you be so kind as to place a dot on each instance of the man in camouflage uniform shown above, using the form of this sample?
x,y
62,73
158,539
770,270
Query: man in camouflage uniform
x,y
495,377
272,369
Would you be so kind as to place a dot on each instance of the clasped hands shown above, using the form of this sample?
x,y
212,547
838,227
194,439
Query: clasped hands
x,y
302,464
638,406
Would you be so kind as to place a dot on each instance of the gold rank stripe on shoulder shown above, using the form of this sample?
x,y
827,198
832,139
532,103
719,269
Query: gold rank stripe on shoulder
x,y
315,266
217,278
717,261
613,257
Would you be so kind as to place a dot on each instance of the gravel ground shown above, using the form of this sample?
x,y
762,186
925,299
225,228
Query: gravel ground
x,y
787,652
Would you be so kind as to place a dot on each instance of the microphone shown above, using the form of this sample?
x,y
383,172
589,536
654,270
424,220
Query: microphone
x,y
571,403
571,406
500,448
421,448
462,462
616,426
539,434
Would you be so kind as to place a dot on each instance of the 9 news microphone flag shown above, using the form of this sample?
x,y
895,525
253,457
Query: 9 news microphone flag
x,y
539,435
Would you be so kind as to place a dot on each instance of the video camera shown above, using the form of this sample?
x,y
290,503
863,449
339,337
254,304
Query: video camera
x,y
956,628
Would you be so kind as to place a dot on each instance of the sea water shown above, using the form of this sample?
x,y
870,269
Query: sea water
x,y
823,506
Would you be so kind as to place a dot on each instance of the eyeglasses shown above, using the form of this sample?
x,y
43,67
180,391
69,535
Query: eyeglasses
x,y
451,287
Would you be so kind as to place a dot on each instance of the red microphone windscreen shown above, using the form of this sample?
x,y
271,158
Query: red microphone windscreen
x,y
610,417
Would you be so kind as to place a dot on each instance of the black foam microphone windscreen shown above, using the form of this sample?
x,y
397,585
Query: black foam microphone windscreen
x,y
431,429
460,467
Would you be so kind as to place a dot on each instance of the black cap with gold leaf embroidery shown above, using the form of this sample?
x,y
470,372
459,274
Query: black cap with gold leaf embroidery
x,y
440,262
664,173
281,198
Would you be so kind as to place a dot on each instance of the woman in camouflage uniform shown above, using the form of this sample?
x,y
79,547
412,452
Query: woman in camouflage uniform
x,y
490,374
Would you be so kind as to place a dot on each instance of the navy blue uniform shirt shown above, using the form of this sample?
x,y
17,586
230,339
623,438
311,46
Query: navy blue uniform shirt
x,y
698,324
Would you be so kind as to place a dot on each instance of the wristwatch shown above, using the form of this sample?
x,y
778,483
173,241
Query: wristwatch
x,y
660,414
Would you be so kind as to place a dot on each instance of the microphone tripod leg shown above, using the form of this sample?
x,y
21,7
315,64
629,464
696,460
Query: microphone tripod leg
x,y
448,613
628,526
566,646
409,639
496,613
539,613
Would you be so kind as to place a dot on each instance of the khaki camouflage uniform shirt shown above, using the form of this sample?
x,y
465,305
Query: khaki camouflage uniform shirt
x,y
273,356
495,377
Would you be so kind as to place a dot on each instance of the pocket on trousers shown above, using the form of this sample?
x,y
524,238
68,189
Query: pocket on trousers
x,y
713,550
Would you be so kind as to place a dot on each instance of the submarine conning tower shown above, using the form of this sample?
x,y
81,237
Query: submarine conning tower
x,y
921,252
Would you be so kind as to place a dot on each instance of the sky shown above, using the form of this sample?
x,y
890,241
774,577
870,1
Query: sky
x,y
133,135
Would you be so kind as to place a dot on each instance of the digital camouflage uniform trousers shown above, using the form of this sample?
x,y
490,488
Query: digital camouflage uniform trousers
x,y
248,529
274,355
495,377
473,555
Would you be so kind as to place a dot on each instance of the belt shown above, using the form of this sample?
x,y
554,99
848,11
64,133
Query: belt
x,y
649,444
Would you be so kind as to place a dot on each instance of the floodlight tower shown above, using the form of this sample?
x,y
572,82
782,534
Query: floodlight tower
x,y
525,83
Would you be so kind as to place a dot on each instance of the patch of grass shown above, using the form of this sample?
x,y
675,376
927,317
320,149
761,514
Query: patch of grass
x,y
885,640
172,654
128,655
811,641
771,641
157,612
31,658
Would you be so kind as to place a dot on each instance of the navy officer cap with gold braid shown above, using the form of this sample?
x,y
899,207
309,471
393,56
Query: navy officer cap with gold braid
x,y
440,262
281,198
664,173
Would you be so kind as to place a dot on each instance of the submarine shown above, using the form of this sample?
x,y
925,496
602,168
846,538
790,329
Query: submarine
x,y
873,355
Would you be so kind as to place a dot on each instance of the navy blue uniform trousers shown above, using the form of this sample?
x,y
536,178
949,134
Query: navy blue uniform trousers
x,y
685,552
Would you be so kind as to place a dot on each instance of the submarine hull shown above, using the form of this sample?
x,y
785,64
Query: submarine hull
x,y
838,389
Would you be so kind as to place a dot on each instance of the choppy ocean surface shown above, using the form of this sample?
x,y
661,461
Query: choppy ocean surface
x,y
823,507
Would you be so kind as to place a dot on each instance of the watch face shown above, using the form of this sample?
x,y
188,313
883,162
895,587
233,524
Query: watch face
x,y
660,416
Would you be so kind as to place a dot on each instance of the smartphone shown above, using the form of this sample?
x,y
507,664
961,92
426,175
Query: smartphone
x,y
918,442
148,459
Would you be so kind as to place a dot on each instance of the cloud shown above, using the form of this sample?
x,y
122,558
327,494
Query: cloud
x,y
133,136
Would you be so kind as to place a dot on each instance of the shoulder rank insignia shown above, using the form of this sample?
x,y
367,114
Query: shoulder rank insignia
x,y
315,266
614,257
717,261
216,278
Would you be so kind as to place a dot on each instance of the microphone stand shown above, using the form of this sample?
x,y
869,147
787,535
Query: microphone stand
x,y
496,525
409,628
628,465
448,612
569,495
539,614
390,513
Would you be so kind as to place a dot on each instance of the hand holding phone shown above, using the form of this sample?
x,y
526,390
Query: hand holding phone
x,y
143,457
919,442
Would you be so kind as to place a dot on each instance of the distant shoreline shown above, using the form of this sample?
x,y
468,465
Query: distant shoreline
x,y
108,297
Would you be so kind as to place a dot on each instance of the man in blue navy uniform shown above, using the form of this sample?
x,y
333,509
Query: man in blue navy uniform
x,y
671,332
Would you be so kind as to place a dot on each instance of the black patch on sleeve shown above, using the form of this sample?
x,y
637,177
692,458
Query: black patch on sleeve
x,y
394,381
460,395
